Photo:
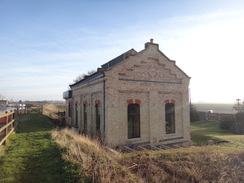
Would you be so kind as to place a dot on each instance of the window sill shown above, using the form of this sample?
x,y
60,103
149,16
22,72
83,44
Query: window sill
x,y
134,140
170,135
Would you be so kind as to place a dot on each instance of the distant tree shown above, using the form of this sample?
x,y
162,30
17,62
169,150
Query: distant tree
x,y
239,119
239,105
239,123
193,113
82,76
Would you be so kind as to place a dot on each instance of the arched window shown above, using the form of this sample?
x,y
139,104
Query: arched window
x,y
70,110
170,118
97,106
85,118
133,121
76,115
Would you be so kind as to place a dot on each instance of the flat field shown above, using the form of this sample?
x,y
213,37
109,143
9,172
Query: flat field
x,y
215,107
203,132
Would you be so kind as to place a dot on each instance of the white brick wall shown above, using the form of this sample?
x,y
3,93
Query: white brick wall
x,y
150,77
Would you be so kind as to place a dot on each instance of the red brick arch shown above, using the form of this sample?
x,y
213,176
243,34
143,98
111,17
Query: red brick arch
x,y
169,101
131,101
97,102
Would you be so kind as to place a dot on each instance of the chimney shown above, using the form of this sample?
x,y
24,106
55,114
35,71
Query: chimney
x,y
151,44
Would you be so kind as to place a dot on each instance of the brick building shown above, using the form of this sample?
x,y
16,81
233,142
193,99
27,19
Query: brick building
x,y
136,98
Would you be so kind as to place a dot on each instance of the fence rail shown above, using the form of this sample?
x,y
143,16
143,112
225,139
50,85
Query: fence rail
x,y
8,123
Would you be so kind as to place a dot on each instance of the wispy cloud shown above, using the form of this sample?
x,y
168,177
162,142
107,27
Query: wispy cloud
x,y
204,45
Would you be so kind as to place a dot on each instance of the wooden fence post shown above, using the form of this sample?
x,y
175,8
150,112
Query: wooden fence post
x,y
6,129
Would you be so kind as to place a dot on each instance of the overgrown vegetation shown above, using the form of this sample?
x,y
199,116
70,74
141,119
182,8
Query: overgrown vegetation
x,y
96,165
215,163
32,156
82,76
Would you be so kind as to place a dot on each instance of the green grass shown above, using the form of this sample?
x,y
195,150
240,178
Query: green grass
x,y
31,155
203,131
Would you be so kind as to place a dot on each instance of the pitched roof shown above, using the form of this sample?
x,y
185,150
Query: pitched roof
x,y
119,59
107,65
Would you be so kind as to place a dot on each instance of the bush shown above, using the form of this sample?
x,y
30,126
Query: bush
x,y
226,124
239,123
193,113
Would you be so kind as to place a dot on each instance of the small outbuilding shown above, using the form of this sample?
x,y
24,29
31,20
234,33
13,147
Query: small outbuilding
x,y
136,98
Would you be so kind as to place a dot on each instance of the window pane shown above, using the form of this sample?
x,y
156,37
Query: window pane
x,y
133,121
97,119
170,118
85,119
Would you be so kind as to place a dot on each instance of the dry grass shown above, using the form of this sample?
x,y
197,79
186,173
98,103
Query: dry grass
x,y
198,164
51,110
96,165
185,168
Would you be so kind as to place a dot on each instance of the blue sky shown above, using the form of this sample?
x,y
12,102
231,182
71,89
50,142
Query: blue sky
x,y
45,44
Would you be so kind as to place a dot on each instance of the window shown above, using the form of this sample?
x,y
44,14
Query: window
x,y
133,121
85,119
170,118
97,119
70,110
76,115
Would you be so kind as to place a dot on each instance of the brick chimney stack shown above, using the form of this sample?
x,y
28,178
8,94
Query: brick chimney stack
x,y
151,44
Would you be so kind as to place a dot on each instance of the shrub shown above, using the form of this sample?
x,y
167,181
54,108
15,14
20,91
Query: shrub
x,y
193,113
239,123
226,124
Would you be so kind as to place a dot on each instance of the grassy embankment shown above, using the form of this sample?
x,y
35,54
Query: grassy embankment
x,y
51,110
32,156
215,163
